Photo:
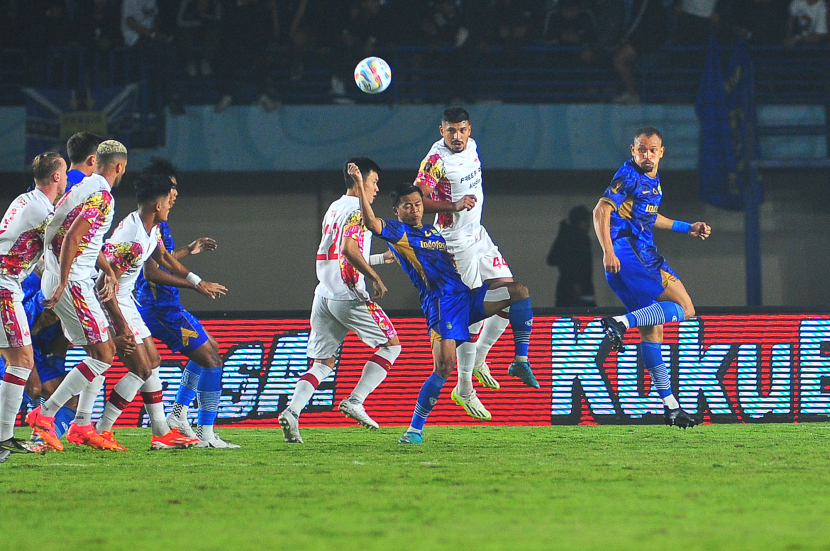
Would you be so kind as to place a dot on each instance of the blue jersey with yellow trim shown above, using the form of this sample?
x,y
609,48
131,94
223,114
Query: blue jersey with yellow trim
x,y
158,296
424,257
636,198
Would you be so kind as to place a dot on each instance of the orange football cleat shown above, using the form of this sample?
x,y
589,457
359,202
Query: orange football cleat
x,y
109,437
43,427
171,441
86,435
183,439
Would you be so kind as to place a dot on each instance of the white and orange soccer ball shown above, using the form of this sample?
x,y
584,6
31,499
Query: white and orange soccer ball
x,y
373,75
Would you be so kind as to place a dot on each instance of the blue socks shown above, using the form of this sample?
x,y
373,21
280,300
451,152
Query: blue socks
x,y
654,314
521,321
63,417
427,398
190,380
653,360
209,391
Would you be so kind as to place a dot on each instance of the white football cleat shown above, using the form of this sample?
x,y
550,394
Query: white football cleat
x,y
482,373
471,404
355,410
290,423
184,427
216,442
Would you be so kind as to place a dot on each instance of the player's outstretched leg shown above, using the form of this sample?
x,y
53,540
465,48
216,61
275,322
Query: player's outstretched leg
x,y
308,383
374,372
654,314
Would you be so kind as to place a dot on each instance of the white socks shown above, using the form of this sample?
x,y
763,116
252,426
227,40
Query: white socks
x,y
306,386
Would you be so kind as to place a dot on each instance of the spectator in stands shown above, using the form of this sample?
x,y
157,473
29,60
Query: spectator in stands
x,y
572,25
199,29
510,24
249,31
644,32
695,21
443,26
759,22
571,252
608,17
807,24
140,27
294,34
99,31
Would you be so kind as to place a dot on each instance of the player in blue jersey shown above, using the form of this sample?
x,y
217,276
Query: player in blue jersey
x,y
157,294
624,220
449,305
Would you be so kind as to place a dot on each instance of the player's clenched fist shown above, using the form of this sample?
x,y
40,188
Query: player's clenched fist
x,y
611,262
465,203
701,230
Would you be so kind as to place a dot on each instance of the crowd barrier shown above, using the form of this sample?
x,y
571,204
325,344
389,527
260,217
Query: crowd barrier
x,y
724,368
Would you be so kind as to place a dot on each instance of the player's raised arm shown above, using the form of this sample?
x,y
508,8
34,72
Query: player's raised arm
x,y
372,223
196,247
602,227
701,230
183,277
430,205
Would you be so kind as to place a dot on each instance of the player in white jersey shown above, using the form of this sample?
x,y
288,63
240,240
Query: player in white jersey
x,y
450,177
137,239
73,242
21,245
343,303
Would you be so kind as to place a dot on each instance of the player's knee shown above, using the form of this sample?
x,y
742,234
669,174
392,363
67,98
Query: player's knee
x,y
444,369
688,310
33,389
518,291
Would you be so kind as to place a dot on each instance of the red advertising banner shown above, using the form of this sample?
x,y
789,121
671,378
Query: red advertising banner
x,y
725,368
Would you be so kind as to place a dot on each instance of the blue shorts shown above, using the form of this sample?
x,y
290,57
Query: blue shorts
x,y
50,367
175,327
457,311
643,274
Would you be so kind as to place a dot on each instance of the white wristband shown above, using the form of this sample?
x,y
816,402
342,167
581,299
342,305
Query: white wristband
x,y
376,259
193,279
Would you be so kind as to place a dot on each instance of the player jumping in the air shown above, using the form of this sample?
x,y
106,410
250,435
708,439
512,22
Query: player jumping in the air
x,y
73,242
342,303
624,220
451,180
21,245
137,239
449,305
157,294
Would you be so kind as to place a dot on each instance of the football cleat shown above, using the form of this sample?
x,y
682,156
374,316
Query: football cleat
x,y
679,418
182,439
13,445
37,445
86,435
4,455
410,437
353,409
109,437
614,332
169,441
471,404
290,423
522,371
217,443
181,425
43,427
482,373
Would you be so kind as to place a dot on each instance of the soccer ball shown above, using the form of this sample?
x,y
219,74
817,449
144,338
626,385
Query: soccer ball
x,y
373,75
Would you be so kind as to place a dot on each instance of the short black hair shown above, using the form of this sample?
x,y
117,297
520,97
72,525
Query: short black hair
x,y
81,145
151,186
402,190
455,114
162,166
647,131
364,164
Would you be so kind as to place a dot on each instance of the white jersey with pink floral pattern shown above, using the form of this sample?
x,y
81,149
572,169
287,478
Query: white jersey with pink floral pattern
x,y
128,249
451,176
90,199
21,237
339,279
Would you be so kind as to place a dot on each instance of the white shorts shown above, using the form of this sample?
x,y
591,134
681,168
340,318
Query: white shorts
x,y
130,312
332,319
82,317
480,261
15,332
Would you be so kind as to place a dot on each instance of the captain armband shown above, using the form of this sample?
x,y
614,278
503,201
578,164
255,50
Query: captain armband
x,y
681,227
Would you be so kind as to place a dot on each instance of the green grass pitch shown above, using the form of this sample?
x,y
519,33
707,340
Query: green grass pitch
x,y
758,487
